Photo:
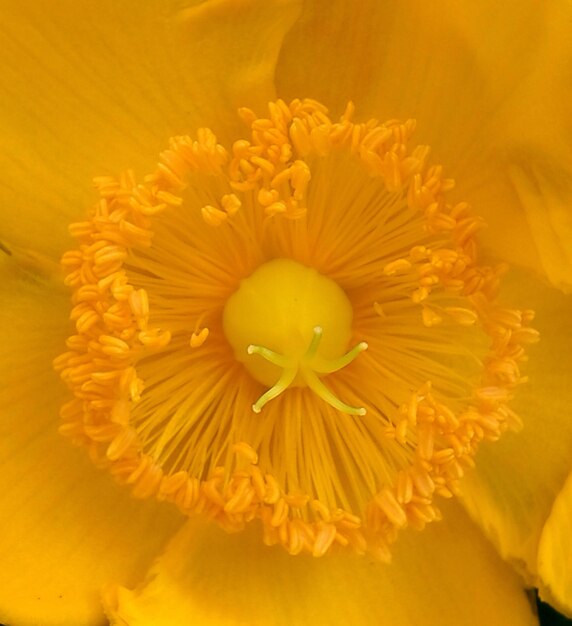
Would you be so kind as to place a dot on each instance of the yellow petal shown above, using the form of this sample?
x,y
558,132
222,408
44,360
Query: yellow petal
x,y
90,89
448,68
232,47
66,528
543,184
522,180
555,552
447,575
490,93
516,480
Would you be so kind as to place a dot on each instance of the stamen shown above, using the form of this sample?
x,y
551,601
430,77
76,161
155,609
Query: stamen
x,y
307,368
199,337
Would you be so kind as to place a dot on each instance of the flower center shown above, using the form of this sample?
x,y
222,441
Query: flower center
x,y
289,325
234,281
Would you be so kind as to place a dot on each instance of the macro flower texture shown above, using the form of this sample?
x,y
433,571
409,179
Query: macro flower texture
x,y
286,313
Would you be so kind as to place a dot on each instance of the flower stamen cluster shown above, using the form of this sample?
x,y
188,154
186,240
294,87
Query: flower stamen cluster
x,y
159,397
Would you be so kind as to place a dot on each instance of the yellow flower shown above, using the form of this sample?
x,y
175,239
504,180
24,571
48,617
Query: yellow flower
x,y
167,359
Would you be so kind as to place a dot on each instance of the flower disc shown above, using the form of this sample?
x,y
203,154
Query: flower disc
x,y
322,440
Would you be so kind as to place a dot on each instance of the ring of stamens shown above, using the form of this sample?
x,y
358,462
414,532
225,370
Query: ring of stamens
x,y
143,348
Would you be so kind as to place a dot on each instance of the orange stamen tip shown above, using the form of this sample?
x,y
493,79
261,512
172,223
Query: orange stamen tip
x,y
198,338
